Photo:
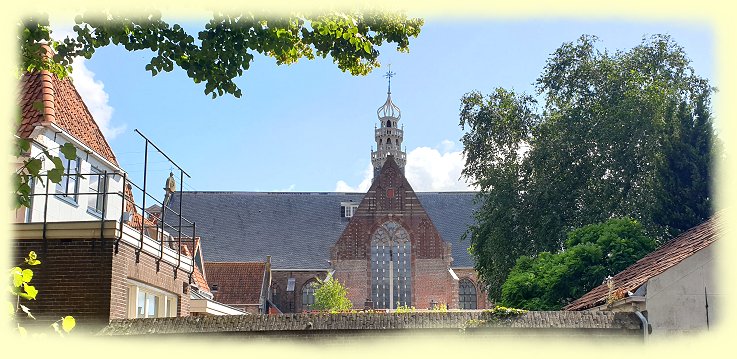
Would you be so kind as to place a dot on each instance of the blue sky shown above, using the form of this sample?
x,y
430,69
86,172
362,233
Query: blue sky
x,y
309,126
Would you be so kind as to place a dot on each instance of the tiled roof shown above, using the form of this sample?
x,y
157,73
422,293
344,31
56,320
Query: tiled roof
x,y
298,228
655,263
237,283
63,106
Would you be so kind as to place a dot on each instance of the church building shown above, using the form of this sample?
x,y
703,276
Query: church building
x,y
390,246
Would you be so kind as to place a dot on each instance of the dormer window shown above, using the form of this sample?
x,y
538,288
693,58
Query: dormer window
x,y
347,209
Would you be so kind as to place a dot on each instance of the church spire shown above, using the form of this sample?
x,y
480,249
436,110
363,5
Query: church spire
x,y
388,136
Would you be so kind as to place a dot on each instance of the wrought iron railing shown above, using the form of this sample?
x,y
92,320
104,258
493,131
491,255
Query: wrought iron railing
x,y
172,234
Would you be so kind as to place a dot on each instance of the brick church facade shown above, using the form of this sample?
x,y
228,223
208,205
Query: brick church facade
x,y
390,246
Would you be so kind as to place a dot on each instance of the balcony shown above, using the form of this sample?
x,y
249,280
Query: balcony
x,y
106,211
388,131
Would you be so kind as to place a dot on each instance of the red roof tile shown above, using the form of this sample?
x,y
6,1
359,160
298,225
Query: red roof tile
x,y
237,283
655,263
63,106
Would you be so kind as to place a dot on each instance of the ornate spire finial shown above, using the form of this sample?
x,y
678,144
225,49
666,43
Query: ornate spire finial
x,y
389,76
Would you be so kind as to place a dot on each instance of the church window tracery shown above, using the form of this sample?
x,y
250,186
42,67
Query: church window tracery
x,y
390,244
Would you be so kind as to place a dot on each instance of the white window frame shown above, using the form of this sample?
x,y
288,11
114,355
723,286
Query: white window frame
x,y
96,193
62,188
166,306
348,209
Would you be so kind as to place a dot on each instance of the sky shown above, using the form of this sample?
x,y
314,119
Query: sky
x,y
309,127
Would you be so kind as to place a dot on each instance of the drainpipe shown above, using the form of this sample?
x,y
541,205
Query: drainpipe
x,y
645,326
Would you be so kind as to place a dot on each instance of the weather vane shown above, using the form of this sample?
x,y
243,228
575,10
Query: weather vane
x,y
389,76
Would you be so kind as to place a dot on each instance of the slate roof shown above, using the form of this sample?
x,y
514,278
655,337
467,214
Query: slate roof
x,y
298,228
655,263
237,283
63,106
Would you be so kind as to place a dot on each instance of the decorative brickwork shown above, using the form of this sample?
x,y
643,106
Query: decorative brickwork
x,y
391,198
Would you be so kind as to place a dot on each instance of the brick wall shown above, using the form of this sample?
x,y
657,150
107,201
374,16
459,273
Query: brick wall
x,y
391,198
145,271
291,302
89,281
353,274
434,283
482,297
72,279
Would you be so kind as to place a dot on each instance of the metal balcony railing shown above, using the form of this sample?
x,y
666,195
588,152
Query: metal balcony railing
x,y
97,205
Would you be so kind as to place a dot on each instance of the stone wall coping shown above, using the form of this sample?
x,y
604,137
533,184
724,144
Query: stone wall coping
x,y
366,321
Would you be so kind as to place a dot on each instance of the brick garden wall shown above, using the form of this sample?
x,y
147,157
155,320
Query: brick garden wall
x,y
325,325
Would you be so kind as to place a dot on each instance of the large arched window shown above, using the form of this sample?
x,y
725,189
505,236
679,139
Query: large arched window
x,y
390,244
308,295
466,294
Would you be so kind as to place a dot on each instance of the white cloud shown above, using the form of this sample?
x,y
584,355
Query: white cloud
x,y
433,170
288,189
368,174
94,96
427,170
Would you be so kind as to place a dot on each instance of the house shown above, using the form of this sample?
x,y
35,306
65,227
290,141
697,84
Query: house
x,y
390,246
675,286
202,300
102,258
242,285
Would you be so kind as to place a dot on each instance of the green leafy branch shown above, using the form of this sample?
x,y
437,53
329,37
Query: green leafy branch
x,y
225,48
31,169
21,288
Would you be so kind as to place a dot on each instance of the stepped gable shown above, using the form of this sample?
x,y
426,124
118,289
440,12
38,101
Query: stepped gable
x,y
61,105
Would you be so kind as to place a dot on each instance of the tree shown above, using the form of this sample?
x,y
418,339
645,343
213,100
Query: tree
x,y
603,144
222,51
331,295
550,281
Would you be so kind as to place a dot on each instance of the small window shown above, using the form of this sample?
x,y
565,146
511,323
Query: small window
x,y
388,123
69,185
308,295
290,285
97,190
348,209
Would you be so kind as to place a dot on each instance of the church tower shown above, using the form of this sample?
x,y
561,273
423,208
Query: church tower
x,y
390,254
388,135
